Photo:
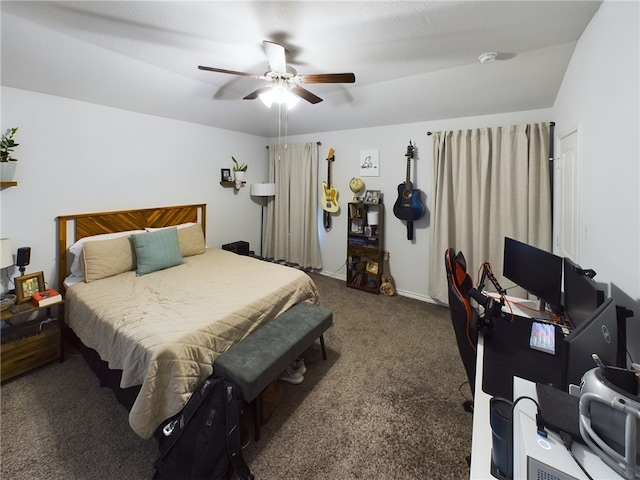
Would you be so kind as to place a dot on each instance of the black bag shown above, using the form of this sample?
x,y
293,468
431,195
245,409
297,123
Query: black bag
x,y
204,440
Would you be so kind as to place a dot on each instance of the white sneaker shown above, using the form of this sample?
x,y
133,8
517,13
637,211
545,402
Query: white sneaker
x,y
299,366
291,376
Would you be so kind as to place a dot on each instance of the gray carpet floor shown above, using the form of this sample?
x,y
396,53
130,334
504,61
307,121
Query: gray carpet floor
x,y
387,404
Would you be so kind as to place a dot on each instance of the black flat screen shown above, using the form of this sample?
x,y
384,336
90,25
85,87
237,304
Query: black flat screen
x,y
537,271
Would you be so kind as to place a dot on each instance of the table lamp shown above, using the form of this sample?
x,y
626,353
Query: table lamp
x,y
6,257
262,190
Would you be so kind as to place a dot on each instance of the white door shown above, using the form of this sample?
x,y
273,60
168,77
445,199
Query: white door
x,y
567,218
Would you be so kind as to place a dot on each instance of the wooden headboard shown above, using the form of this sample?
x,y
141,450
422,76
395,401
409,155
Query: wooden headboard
x,y
74,227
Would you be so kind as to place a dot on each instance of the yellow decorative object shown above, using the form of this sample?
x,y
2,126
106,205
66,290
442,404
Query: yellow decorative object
x,y
356,185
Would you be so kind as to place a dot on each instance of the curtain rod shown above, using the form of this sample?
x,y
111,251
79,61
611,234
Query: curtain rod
x,y
317,143
552,124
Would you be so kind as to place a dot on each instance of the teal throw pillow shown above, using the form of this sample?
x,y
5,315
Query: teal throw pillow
x,y
157,250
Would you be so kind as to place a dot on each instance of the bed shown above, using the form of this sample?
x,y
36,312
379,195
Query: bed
x,y
156,318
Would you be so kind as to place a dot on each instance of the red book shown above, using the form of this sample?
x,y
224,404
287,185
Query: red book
x,y
46,297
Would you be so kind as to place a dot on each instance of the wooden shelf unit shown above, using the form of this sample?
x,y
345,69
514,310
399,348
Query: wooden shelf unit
x,y
365,247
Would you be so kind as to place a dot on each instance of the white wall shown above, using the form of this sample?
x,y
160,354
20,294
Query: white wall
x,y
600,96
409,260
79,157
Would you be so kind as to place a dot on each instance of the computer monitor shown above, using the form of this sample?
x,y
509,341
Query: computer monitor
x,y
597,334
582,296
537,271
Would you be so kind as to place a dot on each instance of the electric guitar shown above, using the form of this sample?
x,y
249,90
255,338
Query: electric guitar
x,y
386,280
408,206
329,199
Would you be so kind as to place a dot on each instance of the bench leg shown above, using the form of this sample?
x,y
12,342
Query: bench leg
x,y
256,416
322,347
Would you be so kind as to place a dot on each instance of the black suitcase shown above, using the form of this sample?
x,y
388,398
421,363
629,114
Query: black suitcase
x,y
240,247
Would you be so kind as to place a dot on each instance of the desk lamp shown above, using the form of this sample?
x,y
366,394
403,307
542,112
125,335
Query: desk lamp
x,y
262,190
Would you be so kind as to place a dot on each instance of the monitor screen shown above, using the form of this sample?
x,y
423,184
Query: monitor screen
x,y
598,334
537,271
581,294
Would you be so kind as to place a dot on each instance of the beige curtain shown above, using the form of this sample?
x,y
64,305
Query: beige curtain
x,y
487,184
291,223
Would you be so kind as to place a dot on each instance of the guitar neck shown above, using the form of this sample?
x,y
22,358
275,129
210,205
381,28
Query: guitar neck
x,y
330,158
385,263
408,171
409,156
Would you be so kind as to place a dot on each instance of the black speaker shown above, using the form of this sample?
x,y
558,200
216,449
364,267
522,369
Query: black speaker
x,y
23,256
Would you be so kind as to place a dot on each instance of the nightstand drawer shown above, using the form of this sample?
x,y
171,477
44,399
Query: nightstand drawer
x,y
21,355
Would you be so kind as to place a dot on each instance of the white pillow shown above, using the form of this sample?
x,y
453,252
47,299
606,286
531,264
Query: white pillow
x,y
190,236
182,225
76,268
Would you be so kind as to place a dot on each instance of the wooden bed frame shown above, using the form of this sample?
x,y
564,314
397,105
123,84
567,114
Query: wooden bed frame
x,y
74,227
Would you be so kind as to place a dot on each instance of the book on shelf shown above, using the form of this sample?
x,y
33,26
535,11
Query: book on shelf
x,y
46,297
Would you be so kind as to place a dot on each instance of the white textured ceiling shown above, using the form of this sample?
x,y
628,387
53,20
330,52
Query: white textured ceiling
x,y
413,61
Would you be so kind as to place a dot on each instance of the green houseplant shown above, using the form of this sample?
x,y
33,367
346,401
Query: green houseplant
x,y
8,145
239,167
239,170
7,161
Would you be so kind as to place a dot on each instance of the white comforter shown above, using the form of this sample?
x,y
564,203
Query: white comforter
x,y
164,329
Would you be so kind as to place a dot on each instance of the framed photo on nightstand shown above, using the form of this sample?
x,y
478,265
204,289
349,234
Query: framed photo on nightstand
x,y
27,285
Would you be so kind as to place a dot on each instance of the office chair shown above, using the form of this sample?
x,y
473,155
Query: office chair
x,y
463,316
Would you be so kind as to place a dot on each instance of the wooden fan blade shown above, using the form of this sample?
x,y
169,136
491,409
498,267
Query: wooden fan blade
x,y
255,94
328,78
306,94
276,56
231,72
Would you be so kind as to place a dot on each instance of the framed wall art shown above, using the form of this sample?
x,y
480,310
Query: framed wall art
x,y
369,163
27,285
225,175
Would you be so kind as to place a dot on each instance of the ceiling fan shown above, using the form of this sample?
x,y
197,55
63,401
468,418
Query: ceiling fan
x,y
284,78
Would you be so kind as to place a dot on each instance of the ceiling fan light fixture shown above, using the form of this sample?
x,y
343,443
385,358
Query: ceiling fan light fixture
x,y
267,97
292,100
279,94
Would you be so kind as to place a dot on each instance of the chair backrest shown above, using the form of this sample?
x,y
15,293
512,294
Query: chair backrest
x,y
463,314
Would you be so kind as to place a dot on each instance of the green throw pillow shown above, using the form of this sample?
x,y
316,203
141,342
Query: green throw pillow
x,y
157,250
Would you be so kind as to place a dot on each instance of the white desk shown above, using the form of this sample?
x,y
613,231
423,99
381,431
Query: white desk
x,y
481,439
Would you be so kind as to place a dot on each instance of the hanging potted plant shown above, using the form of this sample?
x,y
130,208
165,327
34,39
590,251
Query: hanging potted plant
x,y
7,161
239,170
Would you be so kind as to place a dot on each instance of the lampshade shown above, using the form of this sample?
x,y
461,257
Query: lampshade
x,y
263,189
6,257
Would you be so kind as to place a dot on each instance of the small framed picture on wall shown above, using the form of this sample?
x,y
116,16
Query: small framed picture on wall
x,y
225,175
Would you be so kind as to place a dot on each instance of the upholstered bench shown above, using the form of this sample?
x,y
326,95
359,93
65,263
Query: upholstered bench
x,y
257,360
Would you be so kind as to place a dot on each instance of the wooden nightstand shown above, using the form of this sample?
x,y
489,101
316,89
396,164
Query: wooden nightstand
x,y
35,343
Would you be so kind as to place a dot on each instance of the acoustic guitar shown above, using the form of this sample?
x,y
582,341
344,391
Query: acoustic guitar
x,y
408,206
329,200
386,280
